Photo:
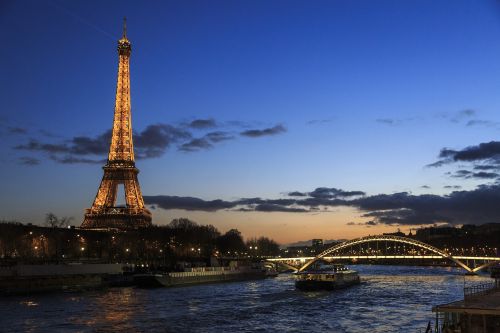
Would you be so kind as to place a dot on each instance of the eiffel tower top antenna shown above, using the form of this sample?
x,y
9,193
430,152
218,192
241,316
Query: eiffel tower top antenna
x,y
124,28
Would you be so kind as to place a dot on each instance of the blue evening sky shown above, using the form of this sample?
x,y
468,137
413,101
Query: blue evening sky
x,y
369,93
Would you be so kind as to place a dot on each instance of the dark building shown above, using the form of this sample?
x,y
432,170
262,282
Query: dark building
x,y
317,243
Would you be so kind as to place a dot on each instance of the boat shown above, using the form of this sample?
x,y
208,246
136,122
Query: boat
x,y
326,276
198,276
270,270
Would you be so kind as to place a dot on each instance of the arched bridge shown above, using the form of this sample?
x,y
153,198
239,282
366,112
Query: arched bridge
x,y
385,247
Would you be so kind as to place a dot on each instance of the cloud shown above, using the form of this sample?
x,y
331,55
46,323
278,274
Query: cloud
x,y
259,201
485,175
394,121
297,194
152,142
425,187
326,193
486,167
454,117
482,123
476,206
370,223
458,116
218,136
404,216
29,161
437,164
83,145
367,224
267,207
48,134
319,121
463,114
483,151
206,142
330,193
155,139
75,160
455,187
202,123
459,207
255,133
466,174
484,157
188,203
79,145
17,130
460,174
34,145
241,124
387,121
195,145
246,204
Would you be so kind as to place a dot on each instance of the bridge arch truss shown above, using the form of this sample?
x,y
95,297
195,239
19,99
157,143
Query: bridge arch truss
x,y
402,240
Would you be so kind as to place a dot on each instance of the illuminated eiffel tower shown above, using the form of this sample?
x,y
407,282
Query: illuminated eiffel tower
x,y
120,168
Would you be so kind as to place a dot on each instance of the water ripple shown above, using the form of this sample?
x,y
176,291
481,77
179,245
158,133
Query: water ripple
x,y
390,299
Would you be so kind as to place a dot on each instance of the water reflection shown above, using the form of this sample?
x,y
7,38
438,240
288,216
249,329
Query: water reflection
x,y
389,299
28,303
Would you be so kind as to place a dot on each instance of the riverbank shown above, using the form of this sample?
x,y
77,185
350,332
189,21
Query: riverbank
x,y
21,279
28,279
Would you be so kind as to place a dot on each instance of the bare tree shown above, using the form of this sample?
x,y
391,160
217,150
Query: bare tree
x,y
65,221
51,220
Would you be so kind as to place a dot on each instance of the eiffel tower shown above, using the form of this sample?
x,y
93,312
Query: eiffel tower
x,y
120,168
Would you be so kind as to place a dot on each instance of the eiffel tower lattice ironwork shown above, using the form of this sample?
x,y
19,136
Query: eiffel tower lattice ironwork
x,y
120,168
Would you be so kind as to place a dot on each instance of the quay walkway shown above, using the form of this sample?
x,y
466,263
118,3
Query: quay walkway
x,y
479,311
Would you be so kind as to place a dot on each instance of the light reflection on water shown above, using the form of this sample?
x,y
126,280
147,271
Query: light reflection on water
x,y
390,299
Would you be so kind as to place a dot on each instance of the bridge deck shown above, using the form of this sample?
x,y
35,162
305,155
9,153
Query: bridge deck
x,y
387,257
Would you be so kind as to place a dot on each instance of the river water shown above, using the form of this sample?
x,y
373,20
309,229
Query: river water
x,y
389,299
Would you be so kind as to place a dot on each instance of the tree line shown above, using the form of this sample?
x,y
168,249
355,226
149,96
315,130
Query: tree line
x,y
180,240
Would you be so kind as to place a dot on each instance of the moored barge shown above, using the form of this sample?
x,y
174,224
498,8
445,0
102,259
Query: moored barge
x,y
199,276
